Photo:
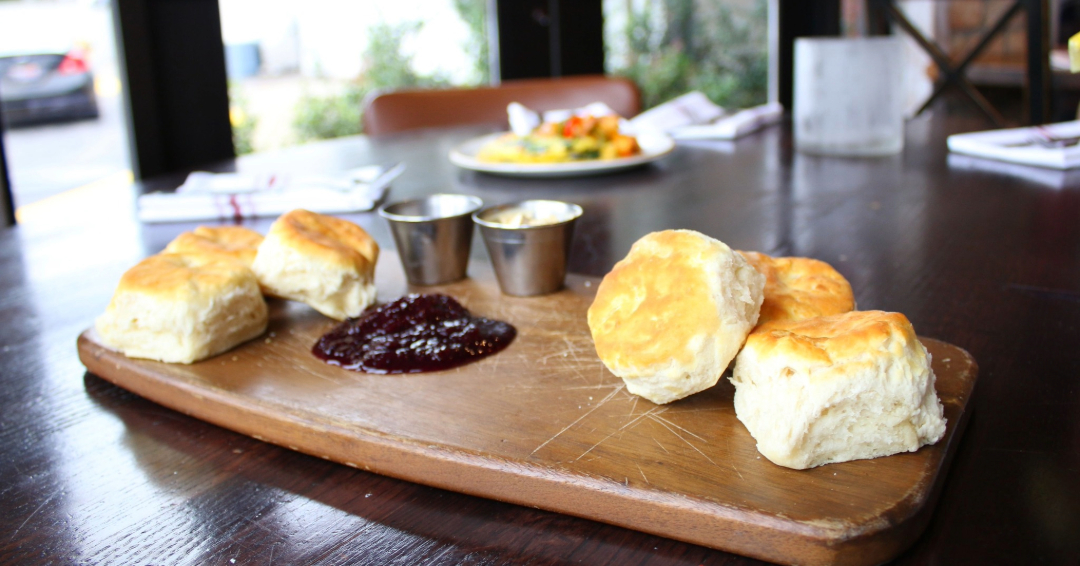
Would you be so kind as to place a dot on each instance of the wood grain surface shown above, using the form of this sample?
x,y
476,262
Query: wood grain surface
x,y
544,424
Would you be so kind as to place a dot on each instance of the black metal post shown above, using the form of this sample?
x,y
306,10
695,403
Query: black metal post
x,y
550,38
177,93
1038,55
7,201
801,18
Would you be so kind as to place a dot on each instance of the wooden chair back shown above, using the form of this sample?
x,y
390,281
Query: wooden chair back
x,y
403,110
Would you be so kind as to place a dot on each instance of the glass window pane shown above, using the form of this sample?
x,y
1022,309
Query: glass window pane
x,y
299,71
60,97
671,47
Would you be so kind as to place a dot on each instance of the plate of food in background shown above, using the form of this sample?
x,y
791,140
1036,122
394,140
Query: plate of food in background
x,y
578,145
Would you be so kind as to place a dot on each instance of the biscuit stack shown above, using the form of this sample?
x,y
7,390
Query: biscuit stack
x,y
204,294
815,381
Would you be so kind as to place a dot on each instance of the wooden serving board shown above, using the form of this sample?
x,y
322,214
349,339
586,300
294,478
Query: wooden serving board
x,y
544,424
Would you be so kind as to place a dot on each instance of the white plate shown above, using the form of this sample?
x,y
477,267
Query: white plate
x,y
653,147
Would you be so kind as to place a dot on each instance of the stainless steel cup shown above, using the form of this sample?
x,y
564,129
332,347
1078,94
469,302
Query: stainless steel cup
x,y
529,259
433,235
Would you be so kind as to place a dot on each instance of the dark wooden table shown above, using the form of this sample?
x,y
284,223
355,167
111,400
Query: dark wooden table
x,y
93,474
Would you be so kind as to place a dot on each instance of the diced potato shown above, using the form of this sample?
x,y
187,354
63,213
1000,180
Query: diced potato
x,y
608,126
624,145
587,125
548,129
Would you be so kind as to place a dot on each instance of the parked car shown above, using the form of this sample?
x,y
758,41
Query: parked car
x,y
45,85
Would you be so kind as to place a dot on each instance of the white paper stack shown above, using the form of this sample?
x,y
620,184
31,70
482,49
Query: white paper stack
x,y
1053,178
209,196
1053,145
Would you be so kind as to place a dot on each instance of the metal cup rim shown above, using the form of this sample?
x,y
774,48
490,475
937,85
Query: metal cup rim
x,y
577,212
475,203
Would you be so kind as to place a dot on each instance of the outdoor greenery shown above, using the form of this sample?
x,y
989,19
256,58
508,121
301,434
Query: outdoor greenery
x,y
670,47
332,116
474,14
243,123
386,66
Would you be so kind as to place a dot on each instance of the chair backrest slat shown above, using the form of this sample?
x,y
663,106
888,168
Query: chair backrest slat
x,y
403,110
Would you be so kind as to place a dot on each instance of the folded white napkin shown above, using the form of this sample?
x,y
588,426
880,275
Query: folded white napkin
x,y
734,125
207,196
693,116
686,110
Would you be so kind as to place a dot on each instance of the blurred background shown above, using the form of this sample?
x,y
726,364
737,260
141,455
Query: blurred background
x,y
298,71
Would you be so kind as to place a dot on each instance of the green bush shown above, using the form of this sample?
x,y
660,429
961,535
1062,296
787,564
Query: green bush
x,y
675,46
386,66
474,14
243,123
326,117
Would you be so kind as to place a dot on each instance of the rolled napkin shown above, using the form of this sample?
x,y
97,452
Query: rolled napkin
x,y
693,116
208,196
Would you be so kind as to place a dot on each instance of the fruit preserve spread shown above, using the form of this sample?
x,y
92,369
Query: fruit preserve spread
x,y
413,334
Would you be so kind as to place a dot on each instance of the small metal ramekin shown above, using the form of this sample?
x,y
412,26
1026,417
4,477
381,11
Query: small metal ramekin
x,y
529,260
433,236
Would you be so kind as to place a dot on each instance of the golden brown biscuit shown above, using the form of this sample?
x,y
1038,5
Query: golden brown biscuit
x,y
798,288
326,262
233,242
837,388
180,308
671,315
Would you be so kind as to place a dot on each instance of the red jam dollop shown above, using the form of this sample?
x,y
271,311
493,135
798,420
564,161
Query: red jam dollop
x,y
413,334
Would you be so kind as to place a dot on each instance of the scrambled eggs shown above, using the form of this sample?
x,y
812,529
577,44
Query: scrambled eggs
x,y
579,138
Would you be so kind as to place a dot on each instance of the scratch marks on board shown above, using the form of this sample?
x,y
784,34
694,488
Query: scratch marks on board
x,y
602,402
628,422
494,364
567,359
706,410
571,350
642,473
564,366
678,427
669,425
300,367
557,362
628,425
